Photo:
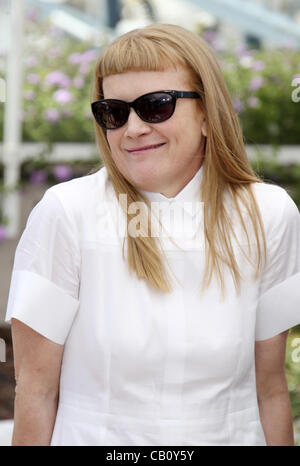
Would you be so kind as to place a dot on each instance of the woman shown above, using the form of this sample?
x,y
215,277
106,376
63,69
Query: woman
x,y
129,329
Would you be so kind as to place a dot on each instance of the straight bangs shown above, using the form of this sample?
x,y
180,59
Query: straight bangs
x,y
136,52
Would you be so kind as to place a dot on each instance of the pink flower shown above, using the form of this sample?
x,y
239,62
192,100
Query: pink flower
x,y
31,61
88,56
83,58
33,78
57,78
256,83
52,114
30,95
78,82
62,96
84,68
62,172
258,65
209,35
238,105
241,50
253,102
3,233
38,177
75,58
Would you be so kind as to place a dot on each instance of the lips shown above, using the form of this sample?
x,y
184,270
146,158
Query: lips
x,y
144,148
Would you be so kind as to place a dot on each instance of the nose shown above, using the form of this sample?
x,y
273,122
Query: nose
x,y
135,126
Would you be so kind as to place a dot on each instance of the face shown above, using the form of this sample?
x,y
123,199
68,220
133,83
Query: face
x,y
158,157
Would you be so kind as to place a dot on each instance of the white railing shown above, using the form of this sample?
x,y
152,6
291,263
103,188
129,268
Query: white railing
x,y
67,152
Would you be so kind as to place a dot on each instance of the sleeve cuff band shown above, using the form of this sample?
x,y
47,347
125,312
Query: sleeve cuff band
x,y
278,309
42,305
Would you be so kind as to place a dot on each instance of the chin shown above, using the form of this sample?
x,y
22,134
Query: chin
x,y
146,186
143,180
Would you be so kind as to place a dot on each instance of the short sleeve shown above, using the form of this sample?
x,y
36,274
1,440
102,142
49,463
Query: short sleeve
x,y
45,279
279,299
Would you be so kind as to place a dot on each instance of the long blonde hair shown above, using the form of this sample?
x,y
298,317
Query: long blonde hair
x,y
227,172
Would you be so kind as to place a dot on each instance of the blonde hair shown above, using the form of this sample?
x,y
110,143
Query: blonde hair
x,y
227,172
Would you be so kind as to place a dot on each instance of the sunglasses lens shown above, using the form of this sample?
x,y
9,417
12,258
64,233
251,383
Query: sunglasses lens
x,y
152,108
156,107
110,114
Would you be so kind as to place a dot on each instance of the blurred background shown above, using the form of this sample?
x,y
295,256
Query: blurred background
x,y
48,50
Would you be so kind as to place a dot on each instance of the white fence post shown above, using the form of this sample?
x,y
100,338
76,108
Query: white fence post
x,y
12,118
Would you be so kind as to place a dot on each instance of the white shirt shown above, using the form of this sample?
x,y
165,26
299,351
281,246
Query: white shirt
x,y
143,367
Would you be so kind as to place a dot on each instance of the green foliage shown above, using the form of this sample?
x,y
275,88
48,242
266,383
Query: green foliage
x,y
58,75
287,176
57,86
260,83
292,368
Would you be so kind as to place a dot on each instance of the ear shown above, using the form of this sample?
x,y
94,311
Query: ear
x,y
204,127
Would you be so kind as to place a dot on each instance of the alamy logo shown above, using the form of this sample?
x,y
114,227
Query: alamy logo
x,y
2,350
2,90
296,92
296,352
180,219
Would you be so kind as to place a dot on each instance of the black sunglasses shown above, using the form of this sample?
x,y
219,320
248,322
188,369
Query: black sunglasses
x,y
153,107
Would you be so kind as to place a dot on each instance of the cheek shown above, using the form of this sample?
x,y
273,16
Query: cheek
x,y
112,140
114,145
192,135
185,139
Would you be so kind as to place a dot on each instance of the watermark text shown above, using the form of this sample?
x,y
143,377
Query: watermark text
x,y
2,350
296,352
296,92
